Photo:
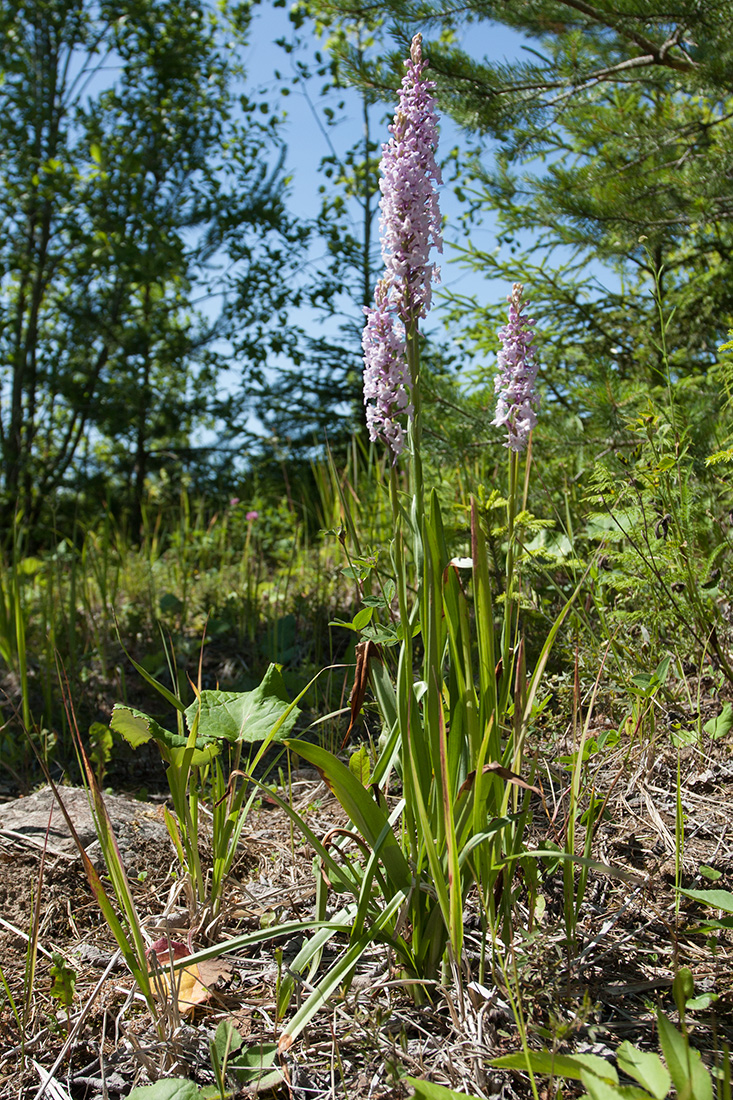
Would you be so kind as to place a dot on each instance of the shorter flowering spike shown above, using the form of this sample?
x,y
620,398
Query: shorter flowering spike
x,y
515,384
387,381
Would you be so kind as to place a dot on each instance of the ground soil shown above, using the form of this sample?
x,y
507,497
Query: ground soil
x,y
631,939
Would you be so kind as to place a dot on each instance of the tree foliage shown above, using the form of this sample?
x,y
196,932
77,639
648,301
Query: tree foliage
x,y
134,183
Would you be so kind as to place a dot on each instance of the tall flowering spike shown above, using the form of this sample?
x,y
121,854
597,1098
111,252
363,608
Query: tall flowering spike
x,y
410,221
516,408
410,227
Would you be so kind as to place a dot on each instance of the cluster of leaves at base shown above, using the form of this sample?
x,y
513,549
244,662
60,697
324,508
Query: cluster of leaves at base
x,y
247,1065
682,1069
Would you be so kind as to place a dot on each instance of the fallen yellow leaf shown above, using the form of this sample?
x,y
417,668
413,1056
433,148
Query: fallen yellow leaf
x,y
192,983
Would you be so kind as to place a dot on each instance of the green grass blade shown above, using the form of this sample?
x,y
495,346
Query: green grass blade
x,y
161,688
338,874
338,974
310,951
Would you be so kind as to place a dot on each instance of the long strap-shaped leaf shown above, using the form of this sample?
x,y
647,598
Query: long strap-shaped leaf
x,y
435,864
368,817
455,884
433,631
484,624
133,949
310,952
539,669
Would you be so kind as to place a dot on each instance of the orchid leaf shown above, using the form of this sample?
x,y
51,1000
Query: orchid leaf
x,y
716,899
365,813
168,1088
558,1065
645,1067
428,1090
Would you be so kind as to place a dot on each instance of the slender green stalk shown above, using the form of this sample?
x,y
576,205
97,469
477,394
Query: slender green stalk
x,y
415,428
510,595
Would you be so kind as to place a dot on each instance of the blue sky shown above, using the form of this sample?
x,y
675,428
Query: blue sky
x,y
307,143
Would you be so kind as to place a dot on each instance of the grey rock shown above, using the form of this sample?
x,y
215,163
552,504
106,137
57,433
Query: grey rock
x,y
134,823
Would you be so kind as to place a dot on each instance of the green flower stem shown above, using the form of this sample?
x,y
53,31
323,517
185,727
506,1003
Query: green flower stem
x,y
405,694
510,597
413,362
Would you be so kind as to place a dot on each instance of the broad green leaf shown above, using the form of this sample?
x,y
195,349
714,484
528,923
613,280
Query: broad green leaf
x,y
644,681
360,765
722,725
363,617
357,572
169,1088
383,635
707,924
599,1089
696,1004
244,715
681,737
645,1067
29,566
666,463
689,1076
558,1065
598,1066
227,1040
342,622
661,672
137,728
198,758
427,1090
716,899
63,980
170,604
252,1063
